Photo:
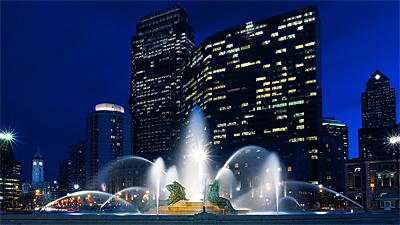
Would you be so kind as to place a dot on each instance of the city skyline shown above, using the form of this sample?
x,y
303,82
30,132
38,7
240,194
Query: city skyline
x,y
52,110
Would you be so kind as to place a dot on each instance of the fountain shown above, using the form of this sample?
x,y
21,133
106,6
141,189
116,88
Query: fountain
x,y
250,181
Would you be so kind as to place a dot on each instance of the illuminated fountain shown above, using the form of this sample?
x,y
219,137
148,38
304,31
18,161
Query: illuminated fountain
x,y
251,179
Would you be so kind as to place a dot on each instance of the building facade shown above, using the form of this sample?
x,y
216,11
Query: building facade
x,y
10,174
336,152
76,166
378,105
162,42
108,137
260,83
368,179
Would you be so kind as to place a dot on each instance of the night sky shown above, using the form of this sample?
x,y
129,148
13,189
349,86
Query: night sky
x,y
60,59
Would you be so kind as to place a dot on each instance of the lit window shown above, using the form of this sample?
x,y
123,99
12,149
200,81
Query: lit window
x,y
266,42
301,120
259,33
289,169
309,56
245,47
291,36
282,38
310,44
299,64
275,34
300,127
34,163
281,27
260,78
299,102
281,117
292,91
299,46
280,51
312,138
309,19
216,49
310,69
291,78
236,165
279,63
311,81
229,46
279,105
314,157
298,114
300,28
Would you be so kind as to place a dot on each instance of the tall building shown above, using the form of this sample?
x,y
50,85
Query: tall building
x,y
162,42
336,152
38,169
10,172
63,178
108,137
378,105
76,166
260,83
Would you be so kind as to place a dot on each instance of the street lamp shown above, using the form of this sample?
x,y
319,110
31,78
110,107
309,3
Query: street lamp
x,y
372,185
5,139
395,141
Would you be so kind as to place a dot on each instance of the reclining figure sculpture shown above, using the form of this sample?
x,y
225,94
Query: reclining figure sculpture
x,y
213,196
177,193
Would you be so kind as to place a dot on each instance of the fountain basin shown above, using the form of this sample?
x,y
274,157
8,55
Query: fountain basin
x,y
190,208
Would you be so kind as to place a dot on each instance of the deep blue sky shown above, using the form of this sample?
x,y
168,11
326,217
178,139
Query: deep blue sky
x,y
60,59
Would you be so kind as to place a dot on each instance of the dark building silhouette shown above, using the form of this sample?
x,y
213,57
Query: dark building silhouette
x,y
63,178
162,42
76,162
10,172
260,83
378,103
336,152
378,118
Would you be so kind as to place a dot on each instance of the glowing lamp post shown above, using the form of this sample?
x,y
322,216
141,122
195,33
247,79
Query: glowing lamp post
x,y
395,141
6,139
372,185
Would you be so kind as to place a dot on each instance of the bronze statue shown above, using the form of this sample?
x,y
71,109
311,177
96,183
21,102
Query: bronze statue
x,y
177,193
213,196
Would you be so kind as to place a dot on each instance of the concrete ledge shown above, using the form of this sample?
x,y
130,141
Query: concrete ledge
x,y
208,218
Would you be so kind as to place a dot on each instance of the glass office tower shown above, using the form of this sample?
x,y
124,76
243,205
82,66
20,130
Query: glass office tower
x,y
164,40
260,83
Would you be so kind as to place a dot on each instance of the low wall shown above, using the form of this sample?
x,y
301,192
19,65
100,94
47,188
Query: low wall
x,y
201,218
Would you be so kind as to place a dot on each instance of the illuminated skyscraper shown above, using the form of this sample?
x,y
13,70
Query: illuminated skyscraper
x,y
378,103
260,83
108,137
378,106
162,42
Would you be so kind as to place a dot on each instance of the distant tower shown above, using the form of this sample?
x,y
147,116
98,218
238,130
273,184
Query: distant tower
x,y
37,169
378,106
378,103
108,137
